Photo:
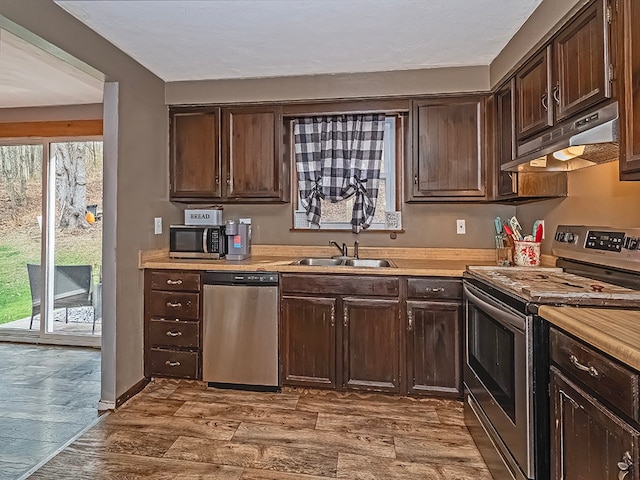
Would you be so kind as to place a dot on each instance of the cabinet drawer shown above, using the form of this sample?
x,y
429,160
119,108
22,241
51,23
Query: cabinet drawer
x,y
172,363
340,285
175,280
174,333
174,305
434,288
613,382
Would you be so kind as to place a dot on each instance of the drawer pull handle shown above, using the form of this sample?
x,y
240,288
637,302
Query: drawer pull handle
x,y
169,363
174,305
345,314
333,315
591,370
434,289
624,466
174,282
174,334
410,318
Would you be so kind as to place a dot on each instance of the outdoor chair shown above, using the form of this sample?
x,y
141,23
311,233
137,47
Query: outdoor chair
x,y
73,287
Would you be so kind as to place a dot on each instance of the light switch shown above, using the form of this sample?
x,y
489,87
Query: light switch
x,y
158,225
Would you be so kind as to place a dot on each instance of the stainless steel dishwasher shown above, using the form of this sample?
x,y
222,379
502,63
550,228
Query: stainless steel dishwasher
x,y
240,330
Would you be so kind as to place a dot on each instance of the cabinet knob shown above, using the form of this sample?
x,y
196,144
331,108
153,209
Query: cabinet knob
x,y
591,370
169,363
174,334
624,465
174,282
434,289
556,93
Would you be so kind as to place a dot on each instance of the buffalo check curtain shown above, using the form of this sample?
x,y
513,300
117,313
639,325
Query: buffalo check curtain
x,y
338,157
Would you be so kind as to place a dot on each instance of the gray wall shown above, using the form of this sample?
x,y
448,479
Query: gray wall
x,y
596,197
44,114
141,173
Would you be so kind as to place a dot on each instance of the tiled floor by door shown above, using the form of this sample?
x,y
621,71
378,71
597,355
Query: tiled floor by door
x,y
47,395
182,430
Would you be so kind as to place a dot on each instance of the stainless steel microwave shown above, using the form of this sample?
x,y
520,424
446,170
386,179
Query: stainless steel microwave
x,y
197,241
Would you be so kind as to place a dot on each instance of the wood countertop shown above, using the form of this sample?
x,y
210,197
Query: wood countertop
x,y
616,332
440,262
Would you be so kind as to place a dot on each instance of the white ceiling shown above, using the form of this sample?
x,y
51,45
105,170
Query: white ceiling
x,y
31,77
218,39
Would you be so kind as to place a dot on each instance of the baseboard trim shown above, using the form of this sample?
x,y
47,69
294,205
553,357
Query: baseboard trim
x,y
137,388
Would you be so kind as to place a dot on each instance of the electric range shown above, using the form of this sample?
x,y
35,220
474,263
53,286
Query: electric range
x,y
506,351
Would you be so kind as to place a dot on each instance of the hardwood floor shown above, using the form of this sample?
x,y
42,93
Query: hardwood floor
x,y
47,395
183,430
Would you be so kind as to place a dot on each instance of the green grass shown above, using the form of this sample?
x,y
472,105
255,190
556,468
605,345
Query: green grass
x,y
19,249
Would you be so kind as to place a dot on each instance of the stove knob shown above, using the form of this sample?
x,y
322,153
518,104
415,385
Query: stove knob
x,y
633,243
559,237
569,237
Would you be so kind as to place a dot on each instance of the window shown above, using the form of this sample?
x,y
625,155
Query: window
x,y
337,216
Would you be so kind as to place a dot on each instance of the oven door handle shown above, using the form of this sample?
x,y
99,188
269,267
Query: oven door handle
x,y
493,308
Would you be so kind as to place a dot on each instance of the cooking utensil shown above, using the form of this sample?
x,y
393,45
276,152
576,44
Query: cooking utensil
x,y
538,234
516,227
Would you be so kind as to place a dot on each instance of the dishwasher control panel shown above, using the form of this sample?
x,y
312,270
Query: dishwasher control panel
x,y
239,278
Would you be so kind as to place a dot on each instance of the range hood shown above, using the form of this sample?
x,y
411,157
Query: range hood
x,y
595,133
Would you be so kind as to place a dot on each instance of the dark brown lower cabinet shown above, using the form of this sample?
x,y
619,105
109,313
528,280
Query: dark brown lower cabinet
x,y
308,341
339,331
434,347
371,344
588,440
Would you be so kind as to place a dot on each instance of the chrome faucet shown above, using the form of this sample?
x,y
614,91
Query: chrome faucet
x,y
343,249
355,249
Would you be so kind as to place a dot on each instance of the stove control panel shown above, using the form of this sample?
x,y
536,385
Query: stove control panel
x,y
608,246
607,241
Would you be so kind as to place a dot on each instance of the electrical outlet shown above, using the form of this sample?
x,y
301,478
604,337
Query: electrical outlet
x,y
461,228
157,223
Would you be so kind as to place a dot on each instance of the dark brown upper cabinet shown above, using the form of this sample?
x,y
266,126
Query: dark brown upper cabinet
x,y
227,155
629,73
583,69
533,84
252,139
195,161
506,183
516,186
572,73
448,149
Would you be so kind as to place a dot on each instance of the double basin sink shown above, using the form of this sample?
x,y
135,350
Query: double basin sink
x,y
345,262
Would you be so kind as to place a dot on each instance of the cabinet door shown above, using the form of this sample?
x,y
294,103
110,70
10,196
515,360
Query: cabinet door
x,y
252,147
308,341
588,441
448,155
371,344
506,182
433,348
629,74
533,84
195,159
582,61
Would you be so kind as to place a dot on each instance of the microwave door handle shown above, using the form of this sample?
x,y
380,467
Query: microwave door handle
x,y
495,310
205,234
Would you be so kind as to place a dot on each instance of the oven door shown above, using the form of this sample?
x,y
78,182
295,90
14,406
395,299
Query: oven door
x,y
498,374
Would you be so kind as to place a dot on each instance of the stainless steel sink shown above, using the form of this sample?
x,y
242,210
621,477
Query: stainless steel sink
x,y
368,262
349,262
319,262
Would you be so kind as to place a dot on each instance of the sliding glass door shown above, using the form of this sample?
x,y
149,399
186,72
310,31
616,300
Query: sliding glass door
x,y
51,230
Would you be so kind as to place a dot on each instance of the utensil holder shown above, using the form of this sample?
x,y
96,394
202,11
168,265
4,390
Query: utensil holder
x,y
526,254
